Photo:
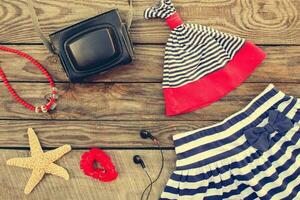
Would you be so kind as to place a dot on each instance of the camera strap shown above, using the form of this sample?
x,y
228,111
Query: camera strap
x,y
46,41
37,27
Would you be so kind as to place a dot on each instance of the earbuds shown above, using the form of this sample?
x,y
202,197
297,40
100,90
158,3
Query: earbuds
x,y
147,134
138,160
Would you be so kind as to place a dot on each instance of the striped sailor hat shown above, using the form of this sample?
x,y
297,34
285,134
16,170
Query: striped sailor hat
x,y
201,64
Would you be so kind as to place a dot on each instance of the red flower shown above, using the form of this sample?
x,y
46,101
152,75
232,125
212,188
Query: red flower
x,y
105,173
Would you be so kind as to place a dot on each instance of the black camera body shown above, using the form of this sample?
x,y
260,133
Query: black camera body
x,y
93,46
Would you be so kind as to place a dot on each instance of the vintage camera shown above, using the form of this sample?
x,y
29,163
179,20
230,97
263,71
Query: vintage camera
x,y
93,46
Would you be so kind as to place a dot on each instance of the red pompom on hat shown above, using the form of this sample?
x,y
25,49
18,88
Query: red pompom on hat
x,y
202,64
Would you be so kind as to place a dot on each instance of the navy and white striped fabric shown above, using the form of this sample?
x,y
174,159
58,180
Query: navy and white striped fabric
x,y
163,9
192,51
217,162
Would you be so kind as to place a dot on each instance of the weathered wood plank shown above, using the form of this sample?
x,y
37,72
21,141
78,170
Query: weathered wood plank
x,y
83,134
129,185
281,65
123,102
264,22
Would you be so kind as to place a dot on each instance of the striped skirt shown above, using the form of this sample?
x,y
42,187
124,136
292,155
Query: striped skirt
x,y
253,154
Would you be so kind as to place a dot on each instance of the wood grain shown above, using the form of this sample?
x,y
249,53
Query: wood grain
x,y
129,185
82,134
262,21
127,101
109,110
282,65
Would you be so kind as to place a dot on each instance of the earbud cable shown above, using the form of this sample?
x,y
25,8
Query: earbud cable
x,y
150,185
160,171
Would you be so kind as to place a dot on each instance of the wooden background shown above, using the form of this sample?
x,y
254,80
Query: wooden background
x,y
109,110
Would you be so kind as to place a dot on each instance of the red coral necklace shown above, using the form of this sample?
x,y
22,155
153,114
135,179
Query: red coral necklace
x,y
51,104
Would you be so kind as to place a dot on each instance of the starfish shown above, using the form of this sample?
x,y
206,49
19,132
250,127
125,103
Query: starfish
x,y
40,162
